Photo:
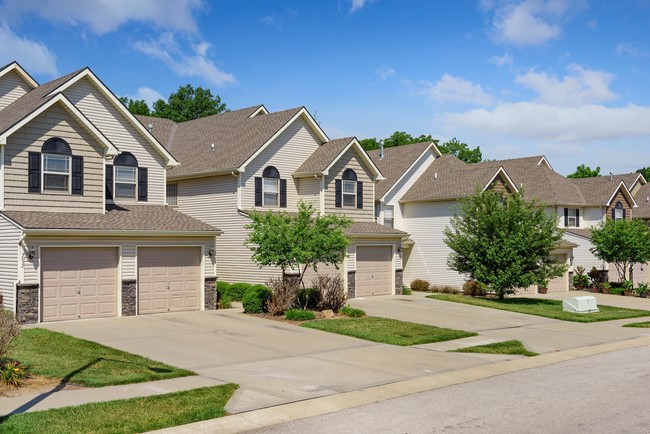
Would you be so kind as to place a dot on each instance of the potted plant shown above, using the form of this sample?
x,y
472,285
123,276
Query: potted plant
x,y
627,288
642,290
542,287
606,287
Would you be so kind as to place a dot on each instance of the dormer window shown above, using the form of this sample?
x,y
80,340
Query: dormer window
x,y
618,213
125,180
55,169
349,191
270,189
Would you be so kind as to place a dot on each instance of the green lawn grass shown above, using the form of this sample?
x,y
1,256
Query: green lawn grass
x,y
133,415
60,356
387,331
506,347
645,324
544,307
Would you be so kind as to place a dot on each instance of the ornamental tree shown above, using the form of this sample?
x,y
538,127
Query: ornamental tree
x,y
623,243
289,241
503,241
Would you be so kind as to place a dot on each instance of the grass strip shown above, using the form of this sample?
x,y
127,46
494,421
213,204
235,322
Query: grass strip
x,y
644,325
78,361
387,330
544,307
133,415
506,347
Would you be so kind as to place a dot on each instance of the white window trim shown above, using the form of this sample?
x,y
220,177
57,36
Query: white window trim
x,y
618,211
277,193
574,217
115,182
392,216
2,177
167,195
43,173
343,194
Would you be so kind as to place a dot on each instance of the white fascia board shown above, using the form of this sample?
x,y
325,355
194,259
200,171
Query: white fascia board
x,y
436,152
260,109
505,174
638,179
111,150
364,155
626,192
302,112
171,161
544,162
122,233
15,66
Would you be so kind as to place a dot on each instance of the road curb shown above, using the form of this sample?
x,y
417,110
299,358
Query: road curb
x,y
314,407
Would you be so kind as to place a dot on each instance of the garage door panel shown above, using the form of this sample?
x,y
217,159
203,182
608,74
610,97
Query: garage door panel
x,y
374,270
78,283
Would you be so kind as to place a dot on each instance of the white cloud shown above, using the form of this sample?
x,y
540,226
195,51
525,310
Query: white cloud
x,y
530,22
583,86
456,90
106,16
384,72
546,123
148,95
34,56
505,60
195,64
358,4
632,51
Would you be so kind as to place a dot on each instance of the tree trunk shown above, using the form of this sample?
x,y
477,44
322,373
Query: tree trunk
x,y
632,274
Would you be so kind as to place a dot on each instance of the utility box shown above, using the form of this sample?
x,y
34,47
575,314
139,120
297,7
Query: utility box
x,y
582,304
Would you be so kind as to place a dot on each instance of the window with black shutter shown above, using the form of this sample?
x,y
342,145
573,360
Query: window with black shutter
x,y
56,167
270,190
350,190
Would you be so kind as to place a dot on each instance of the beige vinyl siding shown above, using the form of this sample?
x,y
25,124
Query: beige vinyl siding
x,y
12,87
128,259
404,184
115,126
351,160
54,122
582,257
214,201
592,217
309,191
9,257
286,153
427,259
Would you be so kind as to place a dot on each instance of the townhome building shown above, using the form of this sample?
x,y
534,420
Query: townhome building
x,y
85,230
252,159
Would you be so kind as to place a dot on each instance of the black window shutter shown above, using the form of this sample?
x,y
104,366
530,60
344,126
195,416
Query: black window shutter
x,y
360,195
34,172
566,217
142,184
577,218
338,193
258,191
623,213
109,181
613,213
283,193
78,175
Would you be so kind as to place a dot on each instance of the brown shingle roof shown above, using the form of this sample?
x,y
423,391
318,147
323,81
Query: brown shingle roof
x,y
642,199
322,157
235,135
154,218
585,233
370,228
395,163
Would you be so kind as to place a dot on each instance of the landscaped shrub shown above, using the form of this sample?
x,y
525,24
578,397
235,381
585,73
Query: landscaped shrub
x,y
420,285
284,295
9,330
595,276
581,281
474,289
406,290
237,290
331,291
444,289
255,298
225,302
299,315
309,298
352,312
13,373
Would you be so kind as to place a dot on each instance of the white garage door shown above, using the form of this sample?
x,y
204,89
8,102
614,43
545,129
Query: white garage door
x,y
374,271
78,283
559,283
169,279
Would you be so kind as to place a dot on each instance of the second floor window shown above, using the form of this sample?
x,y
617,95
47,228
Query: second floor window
x,y
125,180
270,189
571,217
618,213
56,172
55,169
349,191
388,216
172,194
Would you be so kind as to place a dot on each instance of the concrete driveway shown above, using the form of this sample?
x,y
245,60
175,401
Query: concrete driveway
x,y
276,363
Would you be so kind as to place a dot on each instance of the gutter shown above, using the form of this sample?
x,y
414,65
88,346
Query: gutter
x,y
122,233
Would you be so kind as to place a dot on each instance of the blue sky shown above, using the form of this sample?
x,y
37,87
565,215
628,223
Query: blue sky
x,y
563,78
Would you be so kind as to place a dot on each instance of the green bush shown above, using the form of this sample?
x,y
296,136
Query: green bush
x,y
12,373
299,315
309,298
616,290
581,281
222,288
420,285
255,298
225,302
444,289
406,290
474,289
352,312
237,290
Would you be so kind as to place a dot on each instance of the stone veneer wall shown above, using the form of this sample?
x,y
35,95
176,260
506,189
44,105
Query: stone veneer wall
x,y
399,281
128,297
27,302
210,293
352,284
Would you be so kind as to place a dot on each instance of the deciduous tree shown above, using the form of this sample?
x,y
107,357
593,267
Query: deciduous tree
x,y
584,171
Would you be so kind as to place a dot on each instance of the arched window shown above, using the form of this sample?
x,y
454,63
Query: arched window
x,y
126,175
349,188
57,157
271,187
619,212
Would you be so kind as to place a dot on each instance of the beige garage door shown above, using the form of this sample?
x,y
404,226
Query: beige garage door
x,y
169,279
78,283
559,283
374,271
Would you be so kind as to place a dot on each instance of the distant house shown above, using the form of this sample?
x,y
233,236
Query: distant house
x,y
84,227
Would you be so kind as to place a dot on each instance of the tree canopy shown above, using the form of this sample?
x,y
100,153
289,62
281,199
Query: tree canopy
x,y
453,146
645,171
623,243
584,171
288,241
503,242
185,104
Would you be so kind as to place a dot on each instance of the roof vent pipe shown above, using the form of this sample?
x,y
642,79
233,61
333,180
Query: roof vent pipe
x,y
435,175
212,146
150,128
647,198
611,176
381,149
